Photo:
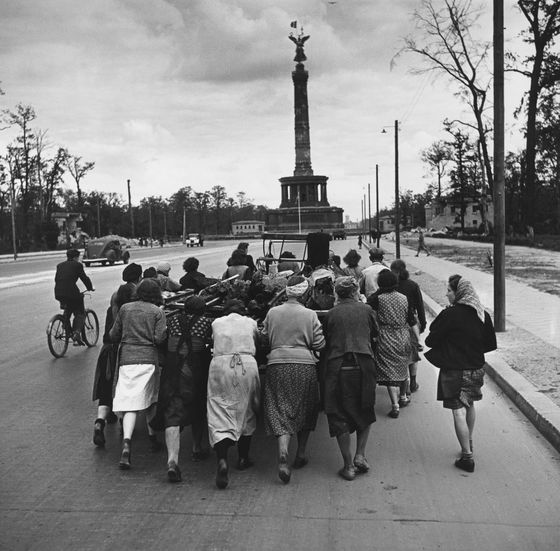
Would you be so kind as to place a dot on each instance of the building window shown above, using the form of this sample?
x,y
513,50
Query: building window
x,y
475,208
452,209
474,223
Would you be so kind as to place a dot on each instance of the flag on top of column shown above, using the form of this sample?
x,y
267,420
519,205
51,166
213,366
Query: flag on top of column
x,y
293,24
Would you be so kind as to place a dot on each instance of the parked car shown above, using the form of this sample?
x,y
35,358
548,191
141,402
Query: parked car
x,y
107,249
193,240
339,234
437,233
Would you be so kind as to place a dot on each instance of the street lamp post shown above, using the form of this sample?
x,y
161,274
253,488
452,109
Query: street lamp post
x,y
130,210
369,210
397,205
377,202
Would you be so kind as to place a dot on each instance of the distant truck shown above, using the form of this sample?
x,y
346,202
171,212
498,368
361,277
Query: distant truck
x,y
339,234
193,240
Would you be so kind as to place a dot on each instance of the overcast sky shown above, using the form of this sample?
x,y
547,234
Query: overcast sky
x,y
173,93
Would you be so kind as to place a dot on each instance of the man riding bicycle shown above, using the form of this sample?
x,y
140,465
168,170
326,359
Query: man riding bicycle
x,y
67,293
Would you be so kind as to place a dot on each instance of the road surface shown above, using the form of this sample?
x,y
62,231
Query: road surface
x,y
60,492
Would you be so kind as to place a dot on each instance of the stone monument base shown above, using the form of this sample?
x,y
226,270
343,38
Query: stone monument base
x,y
313,219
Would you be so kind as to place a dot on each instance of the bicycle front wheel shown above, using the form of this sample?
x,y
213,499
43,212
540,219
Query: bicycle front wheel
x,y
91,328
57,337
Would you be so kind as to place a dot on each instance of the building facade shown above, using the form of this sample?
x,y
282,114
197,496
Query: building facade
x,y
446,213
244,227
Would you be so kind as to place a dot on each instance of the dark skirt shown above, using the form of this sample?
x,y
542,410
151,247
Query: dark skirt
x,y
291,398
458,389
349,415
104,375
199,363
175,398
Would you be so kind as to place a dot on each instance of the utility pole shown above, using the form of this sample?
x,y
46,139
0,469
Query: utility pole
x,y
130,210
499,181
365,214
369,210
13,202
184,224
164,223
361,215
397,213
377,201
98,218
150,219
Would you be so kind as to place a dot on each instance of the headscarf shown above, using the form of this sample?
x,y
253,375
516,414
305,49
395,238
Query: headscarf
x,y
297,285
387,281
195,305
163,267
346,287
466,295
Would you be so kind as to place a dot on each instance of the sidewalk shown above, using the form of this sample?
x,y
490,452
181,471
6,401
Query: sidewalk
x,y
536,312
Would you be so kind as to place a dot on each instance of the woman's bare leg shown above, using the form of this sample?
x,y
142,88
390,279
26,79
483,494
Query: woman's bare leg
x,y
173,443
462,429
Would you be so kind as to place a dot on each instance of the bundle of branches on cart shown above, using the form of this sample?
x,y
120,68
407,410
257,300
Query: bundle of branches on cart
x,y
226,290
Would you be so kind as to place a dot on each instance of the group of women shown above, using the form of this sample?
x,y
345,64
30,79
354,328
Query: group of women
x,y
210,377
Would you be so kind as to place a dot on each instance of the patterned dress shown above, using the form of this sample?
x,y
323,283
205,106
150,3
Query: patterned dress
x,y
392,354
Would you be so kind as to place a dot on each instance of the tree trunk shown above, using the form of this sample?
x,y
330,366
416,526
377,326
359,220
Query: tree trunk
x,y
531,141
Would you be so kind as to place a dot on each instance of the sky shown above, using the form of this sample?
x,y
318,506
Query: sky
x,y
174,93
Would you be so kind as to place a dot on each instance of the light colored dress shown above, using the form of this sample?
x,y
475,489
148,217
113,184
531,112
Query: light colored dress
x,y
233,379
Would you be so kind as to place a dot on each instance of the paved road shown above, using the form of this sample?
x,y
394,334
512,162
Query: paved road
x,y
60,492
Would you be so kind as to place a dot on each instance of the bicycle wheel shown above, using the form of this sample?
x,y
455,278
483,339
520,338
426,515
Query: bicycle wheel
x,y
91,328
57,337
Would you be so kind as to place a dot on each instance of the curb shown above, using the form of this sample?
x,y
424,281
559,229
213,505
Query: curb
x,y
538,408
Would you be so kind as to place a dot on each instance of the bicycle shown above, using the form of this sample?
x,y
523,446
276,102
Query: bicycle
x,y
59,331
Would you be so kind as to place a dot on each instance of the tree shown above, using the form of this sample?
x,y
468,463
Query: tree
x,y
78,169
548,148
448,48
52,171
464,180
22,161
436,157
201,201
218,198
543,17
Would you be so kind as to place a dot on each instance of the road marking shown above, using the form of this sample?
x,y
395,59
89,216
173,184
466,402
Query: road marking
x,y
39,277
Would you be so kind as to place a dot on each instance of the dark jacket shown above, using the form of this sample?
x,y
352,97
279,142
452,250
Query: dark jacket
x,y
67,274
350,328
412,291
458,339
195,281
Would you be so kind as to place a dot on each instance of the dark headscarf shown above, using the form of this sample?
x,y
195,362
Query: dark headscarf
x,y
195,305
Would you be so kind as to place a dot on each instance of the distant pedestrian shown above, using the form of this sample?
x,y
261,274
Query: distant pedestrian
x,y
459,337
350,375
392,354
422,244
360,241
